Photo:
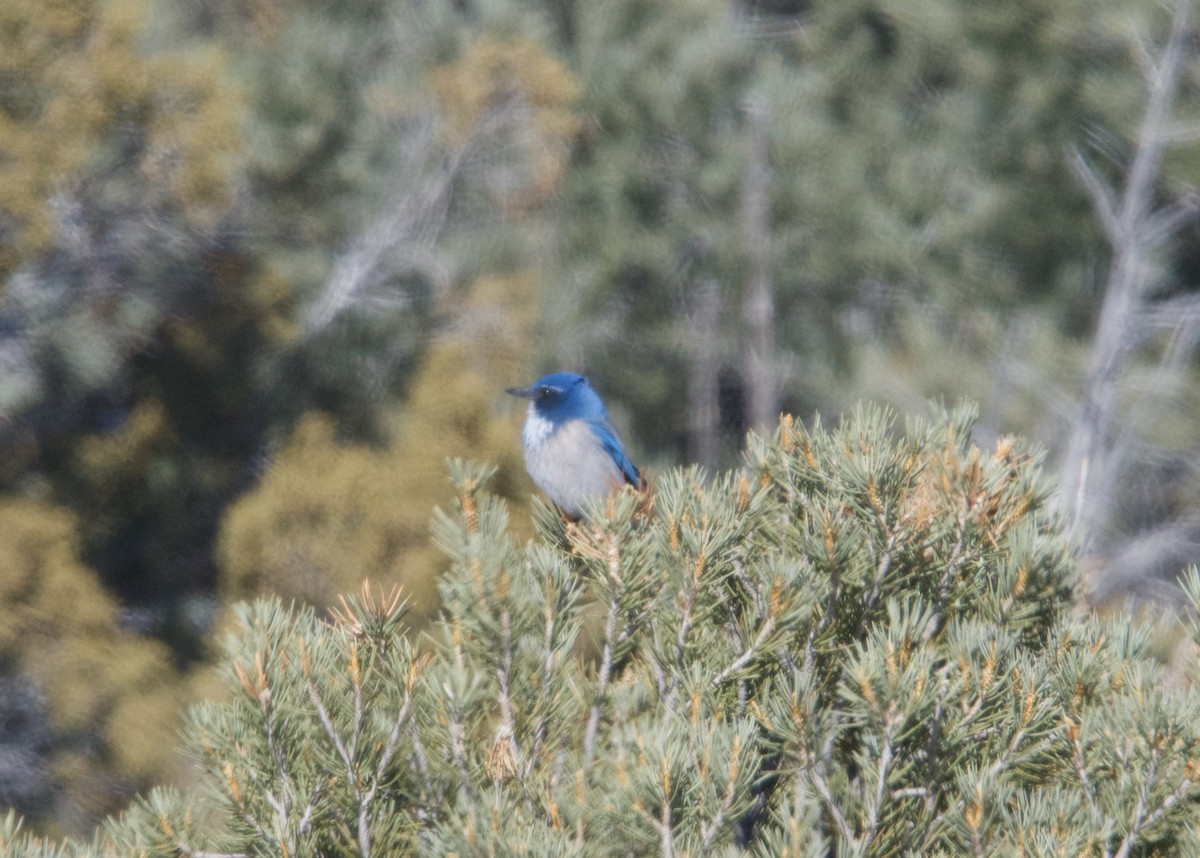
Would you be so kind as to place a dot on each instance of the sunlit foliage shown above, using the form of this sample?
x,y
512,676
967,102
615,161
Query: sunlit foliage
x,y
82,98
493,77
329,513
862,642
99,705
266,265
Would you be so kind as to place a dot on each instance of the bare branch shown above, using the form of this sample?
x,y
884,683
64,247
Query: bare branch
x,y
1182,134
1098,190
1134,230
402,236
1171,218
1176,314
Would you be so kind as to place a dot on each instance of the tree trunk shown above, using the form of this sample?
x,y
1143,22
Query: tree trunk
x,y
703,406
758,303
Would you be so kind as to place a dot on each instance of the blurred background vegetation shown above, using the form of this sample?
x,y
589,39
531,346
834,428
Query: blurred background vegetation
x,y
266,264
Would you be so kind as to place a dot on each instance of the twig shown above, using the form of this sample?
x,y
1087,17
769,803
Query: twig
x,y
710,830
602,678
665,834
881,570
885,762
685,626
502,673
539,728
822,788
764,632
1100,193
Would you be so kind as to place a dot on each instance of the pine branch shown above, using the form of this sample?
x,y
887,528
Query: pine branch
x,y
602,678
502,672
547,679
687,603
1139,810
885,762
881,570
749,654
712,828
666,834
458,749
891,735
1173,798
818,782
1080,764
953,564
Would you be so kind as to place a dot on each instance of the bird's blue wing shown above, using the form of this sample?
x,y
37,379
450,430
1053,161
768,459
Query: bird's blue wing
x,y
608,437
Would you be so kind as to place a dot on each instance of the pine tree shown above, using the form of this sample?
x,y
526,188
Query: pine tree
x,y
863,643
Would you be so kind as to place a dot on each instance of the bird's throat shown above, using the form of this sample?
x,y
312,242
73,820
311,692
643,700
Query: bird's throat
x,y
537,429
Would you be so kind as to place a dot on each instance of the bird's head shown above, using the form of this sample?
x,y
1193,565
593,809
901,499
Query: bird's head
x,y
562,396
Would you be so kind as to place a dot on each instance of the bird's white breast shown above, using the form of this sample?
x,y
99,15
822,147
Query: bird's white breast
x,y
537,429
568,462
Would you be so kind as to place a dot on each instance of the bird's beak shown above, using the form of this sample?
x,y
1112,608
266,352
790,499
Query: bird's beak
x,y
522,392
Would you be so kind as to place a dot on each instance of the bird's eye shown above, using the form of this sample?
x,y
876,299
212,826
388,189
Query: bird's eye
x,y
545,392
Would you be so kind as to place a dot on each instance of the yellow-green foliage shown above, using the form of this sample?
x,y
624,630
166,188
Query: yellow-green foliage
x,y
116,471
495,75
328,514
111,697
322,517
74,75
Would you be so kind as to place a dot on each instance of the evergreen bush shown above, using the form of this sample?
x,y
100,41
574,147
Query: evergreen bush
x,y
329,512
862,643
88,710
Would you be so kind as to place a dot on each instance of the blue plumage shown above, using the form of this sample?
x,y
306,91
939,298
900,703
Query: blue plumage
x,y
572,450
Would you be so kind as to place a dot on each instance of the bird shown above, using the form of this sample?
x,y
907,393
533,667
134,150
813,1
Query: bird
x,y
572,450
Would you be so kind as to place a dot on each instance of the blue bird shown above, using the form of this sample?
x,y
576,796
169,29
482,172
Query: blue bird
x,y
572,450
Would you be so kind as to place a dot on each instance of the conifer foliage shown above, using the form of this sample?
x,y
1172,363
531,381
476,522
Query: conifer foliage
x,y
862,643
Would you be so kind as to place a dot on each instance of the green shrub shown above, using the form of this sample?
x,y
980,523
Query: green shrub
x,y
90,712
861,644
328,514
